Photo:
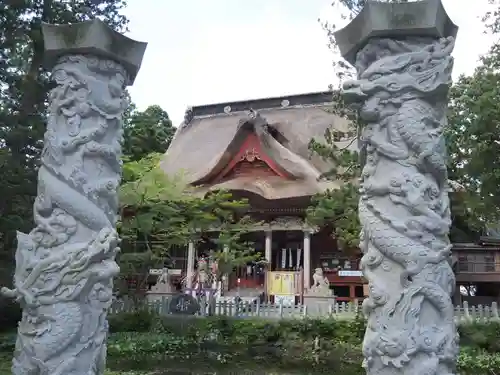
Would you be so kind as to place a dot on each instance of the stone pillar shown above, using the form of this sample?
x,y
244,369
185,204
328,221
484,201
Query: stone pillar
x,y
404,70
66,264
190,265
268,247
307,259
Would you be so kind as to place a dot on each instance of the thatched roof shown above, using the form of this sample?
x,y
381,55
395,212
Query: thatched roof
x,y
211,135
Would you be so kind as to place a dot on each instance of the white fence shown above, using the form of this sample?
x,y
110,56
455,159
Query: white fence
x,y
463,313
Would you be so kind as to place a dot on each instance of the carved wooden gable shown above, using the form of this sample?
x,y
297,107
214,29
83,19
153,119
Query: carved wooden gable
x,y
250,160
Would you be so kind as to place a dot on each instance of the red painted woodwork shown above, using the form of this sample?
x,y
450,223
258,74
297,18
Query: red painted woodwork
x,y
256,168
251,160
247,283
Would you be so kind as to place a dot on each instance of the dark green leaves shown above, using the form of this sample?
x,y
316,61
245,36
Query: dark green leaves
x,y
163,212
146,131
473,135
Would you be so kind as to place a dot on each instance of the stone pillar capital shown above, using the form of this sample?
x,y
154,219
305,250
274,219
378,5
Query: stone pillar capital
x,y
92,38
377,19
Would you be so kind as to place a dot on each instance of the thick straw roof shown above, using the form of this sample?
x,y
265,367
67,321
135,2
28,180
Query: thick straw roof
x,y
211,135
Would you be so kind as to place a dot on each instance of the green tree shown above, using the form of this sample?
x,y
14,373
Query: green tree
x,y
145,132
160,212
473,138
339,207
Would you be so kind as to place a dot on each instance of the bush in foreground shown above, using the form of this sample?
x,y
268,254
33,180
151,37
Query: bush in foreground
x,y
328,343
144,340
233,331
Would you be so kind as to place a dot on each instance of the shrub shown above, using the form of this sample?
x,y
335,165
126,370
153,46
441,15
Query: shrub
x,y
138,321
330,344
481,335
336,357
258,331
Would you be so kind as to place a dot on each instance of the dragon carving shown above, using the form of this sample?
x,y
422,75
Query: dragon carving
x,y
401,95
66,264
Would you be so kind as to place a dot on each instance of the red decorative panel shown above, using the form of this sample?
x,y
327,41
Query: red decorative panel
x,y
257,168
251,160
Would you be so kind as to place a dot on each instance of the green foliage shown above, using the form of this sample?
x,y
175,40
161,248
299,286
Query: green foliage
x,y
146,132
340,208
139,321
134,271
5,363
163,211
345,163
337,208
257,331
481,336
473,142
322,343
143,339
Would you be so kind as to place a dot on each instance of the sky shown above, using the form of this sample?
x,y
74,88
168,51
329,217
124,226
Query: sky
x,y
211,51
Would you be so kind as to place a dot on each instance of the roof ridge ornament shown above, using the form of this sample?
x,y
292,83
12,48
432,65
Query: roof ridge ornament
x,y
188,115
253,117
252,114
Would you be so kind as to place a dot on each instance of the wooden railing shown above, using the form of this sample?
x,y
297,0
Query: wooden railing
x,y
463,313
467,266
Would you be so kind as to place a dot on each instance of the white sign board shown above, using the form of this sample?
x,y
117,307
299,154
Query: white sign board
x,y
350,273
158,271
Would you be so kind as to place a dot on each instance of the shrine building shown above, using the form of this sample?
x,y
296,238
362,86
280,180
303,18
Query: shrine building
x,y
258,150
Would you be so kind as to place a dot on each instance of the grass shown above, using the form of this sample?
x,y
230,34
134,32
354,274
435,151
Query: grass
x,y
5,362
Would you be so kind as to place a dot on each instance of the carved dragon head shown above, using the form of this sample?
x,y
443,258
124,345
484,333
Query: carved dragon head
x,y
395,71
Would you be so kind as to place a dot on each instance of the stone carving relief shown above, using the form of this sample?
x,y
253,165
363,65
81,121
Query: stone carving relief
x,y
66,264
250,155
163,283
404,207
321,285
